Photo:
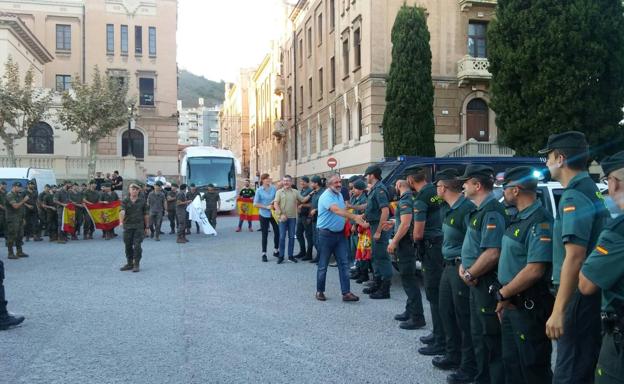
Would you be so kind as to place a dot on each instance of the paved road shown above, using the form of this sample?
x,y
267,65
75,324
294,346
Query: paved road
x,y
204,312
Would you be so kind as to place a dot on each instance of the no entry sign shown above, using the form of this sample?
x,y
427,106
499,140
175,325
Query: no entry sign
x,y
332,162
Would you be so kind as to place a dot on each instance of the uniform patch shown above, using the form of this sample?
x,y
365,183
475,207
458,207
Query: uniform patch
x,y
568,209
491,226
474,222
517,232
545,239
602,250
404,206
452,220
545,225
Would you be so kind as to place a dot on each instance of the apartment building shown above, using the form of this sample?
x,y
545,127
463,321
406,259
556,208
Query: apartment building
x,y
131,40
198,125
336,57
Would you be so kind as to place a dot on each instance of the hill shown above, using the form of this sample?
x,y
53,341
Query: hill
x,y
191,87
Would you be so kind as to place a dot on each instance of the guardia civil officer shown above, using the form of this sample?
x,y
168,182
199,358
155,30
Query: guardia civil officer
x,y
171,207
480,253
135,221
31,226
454,294
581,216
355,273
604,270
7,319
15,212
401,246
427,236
358,205
524,300
377,212
305,235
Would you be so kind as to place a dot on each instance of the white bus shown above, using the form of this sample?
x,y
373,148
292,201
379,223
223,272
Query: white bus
x,y
208,165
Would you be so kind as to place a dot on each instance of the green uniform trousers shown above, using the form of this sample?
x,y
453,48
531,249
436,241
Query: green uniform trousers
x,y
52,222
433,264
181,220
610,369
409,278
382,267
455,315
3,223
526,349
15,231
211,214
31,226
486,332
132,239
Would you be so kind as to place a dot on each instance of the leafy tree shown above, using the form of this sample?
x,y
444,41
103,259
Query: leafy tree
x,y
408,124
93,111
21,106
558,66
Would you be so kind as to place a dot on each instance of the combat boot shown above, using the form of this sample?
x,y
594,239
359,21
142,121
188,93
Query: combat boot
x,y
157,236
37,238
128,267
135,267
74,237
20,252
383,292
12,255
179,240
8,320
363,276
374,287
185,239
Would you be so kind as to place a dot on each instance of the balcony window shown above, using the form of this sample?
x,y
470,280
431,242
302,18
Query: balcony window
x,y
152,41
332,14
110,39
357,55
138,40
146,91
124,40
332,73
345,57
477,39
309,38
63,37
320,83
319,29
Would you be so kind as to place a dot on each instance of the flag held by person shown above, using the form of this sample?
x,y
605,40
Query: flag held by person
x,y
197,214
105,215
69,218
246,209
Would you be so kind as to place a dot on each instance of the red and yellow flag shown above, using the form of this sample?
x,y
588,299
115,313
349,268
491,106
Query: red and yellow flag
x,y
364,245
246,209
69,218
105,216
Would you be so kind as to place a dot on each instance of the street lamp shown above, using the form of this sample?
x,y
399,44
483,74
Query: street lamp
x,y
130,117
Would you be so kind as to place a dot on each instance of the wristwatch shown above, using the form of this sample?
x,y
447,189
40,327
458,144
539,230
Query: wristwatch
x,y
468,276
499,296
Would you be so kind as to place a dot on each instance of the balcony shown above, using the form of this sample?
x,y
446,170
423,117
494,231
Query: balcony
x,y
279,129
473,69
279,85
465,5
480,148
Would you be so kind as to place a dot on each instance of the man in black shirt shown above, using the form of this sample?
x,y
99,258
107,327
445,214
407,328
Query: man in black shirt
x,y
247,193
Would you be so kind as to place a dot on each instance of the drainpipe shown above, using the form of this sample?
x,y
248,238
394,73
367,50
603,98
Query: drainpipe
x,y
294,40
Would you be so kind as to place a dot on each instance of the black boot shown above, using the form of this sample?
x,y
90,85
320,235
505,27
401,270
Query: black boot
x,y
383,292
414,322
128,266
363,276
8,320
402,316
374,287
20,252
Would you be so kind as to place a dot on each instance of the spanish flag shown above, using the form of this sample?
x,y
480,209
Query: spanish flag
x,y
246,209
105,215
69,218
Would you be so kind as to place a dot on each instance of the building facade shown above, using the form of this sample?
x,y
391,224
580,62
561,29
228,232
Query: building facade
x,y
336,57
198,126
131,40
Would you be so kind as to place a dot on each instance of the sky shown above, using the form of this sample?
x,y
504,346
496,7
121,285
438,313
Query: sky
x,y
218,37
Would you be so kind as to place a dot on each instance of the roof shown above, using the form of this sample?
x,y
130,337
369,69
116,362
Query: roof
x,y
198,151
26,36
14,173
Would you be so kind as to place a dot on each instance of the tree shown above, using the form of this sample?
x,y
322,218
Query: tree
x,y
93,111
21,106
408,124
558,66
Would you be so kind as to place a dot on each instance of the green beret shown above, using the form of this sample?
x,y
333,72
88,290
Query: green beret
x,y
30,182
520,176
359,185
477,170
305,179
446,174
159,183
612,163
373,170
316,179
193,185
565,140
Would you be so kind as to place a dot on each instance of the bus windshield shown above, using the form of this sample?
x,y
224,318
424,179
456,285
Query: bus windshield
x,y
218,171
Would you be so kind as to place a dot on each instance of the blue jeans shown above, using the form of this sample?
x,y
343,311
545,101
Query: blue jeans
x,y
287,226
336,243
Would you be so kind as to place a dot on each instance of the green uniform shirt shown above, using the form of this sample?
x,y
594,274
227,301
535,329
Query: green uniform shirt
x,y
485,228
212,198
3,196
180,198
48,198
427,209
581,215
109,196
528,239
305,211
134,213
405,206
358,200
605,264
13,214
76,197
62,196
32,198
156,201
171,201
376,200
454,226
92,196
191,195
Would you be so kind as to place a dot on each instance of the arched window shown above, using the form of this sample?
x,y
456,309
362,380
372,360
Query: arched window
x,y
132,143
40,139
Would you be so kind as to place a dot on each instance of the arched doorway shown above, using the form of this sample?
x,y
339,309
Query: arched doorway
x,y
132,143
40,139
477,116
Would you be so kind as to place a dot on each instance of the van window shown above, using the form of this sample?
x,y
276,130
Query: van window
x,y
9,183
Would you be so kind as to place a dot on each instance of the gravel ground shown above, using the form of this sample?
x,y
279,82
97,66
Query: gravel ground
x,y
203,312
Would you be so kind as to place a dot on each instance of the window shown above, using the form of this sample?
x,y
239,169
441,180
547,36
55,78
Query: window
x,y
40,139
319,29
124,40
132,144
309,41
152,41
63,82
477,39
332,133
345,57
146,91
320,82
138,40
301,99
310,92
332,14
348,124
110,39
332,73
300,52
63,37
357,58
290,106
359,119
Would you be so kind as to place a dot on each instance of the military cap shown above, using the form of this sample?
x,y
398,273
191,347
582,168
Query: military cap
x,y
354,178
174,185
193,185
359,185
413,170
47,186
373,169
134,186
182,186
305,179
447,174
30,182
316,179
520,176
612,163
210,185
159,183
477,170
565,140
17,184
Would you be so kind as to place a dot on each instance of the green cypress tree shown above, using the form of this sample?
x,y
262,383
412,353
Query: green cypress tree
x,y
408,124
558,66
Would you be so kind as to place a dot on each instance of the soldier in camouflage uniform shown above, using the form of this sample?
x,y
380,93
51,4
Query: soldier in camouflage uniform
x,y
171,207
43,224
61,199
90,196
213,201
3,194
76,196
46,202
135,221
31,227
157,204
14,205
